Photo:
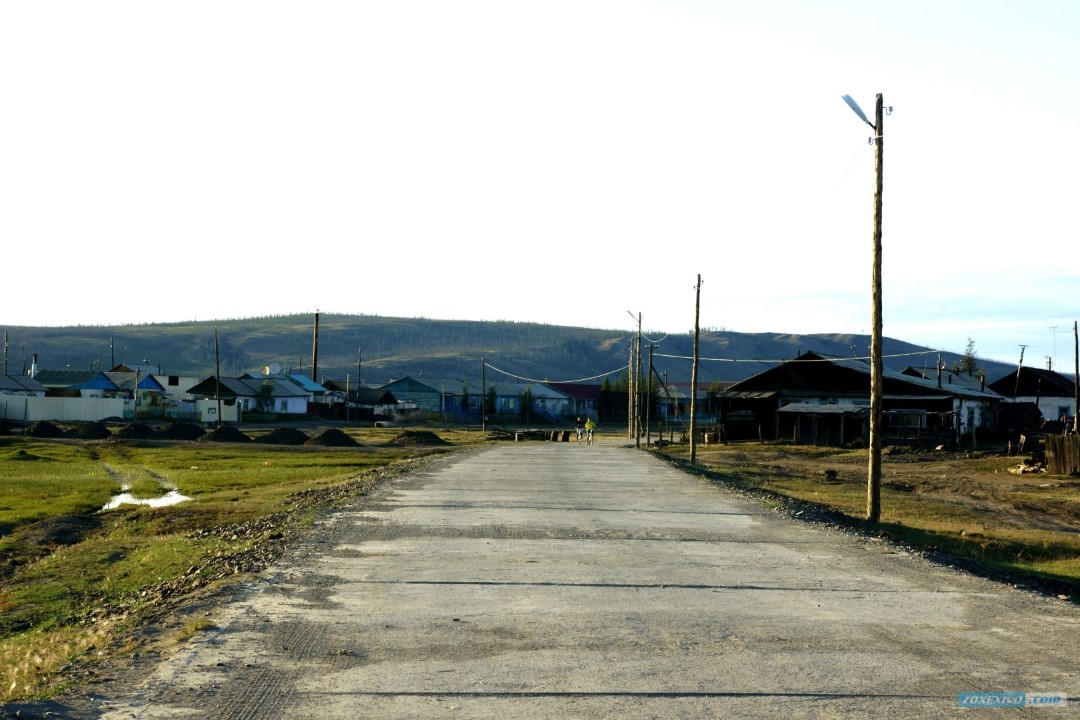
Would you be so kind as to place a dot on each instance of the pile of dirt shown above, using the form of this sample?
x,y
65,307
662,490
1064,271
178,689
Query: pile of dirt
x,y
65,530
44,429
180,431
332,438
225,433
89,431
134,431
283,436
417,438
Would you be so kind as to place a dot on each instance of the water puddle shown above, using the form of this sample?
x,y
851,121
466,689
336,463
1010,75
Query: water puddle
x,y
170,498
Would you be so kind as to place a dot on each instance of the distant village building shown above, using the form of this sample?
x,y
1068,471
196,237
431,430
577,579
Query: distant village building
x,y
1051,392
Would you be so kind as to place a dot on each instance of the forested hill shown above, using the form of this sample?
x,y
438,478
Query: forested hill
x,y
385,348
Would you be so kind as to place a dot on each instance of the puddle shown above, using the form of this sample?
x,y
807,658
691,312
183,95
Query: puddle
x,y
170,498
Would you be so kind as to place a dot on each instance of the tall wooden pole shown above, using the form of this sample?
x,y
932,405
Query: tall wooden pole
x,y
483,395
693,374
877,370
637,386
217,376
648,401
1076,379
630,393
315,350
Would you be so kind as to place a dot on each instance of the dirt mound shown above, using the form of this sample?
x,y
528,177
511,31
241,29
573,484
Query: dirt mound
x,y
283,436
134,431
180,431
225,433
332,438
417,438
44,429
89,431
66,530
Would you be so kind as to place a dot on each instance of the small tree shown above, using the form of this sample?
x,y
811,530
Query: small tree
x,y
525,401
264,400
606,406
969,363
490,400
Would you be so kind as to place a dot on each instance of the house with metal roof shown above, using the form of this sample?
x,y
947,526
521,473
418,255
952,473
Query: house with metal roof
x,y
64,396
77,383
267,394
1053,393
584,398
146,392
825,400
21,385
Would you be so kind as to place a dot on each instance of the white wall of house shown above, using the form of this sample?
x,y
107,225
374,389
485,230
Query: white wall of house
x,y
1051,406
208,411
59,409
291,405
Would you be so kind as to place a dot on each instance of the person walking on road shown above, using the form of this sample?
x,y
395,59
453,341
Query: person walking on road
x,y
580,427
589,427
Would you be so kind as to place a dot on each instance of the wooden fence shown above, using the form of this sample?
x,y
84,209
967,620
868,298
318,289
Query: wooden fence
x,y
1063,454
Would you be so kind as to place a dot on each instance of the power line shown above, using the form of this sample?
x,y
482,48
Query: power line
x,y
520,377
787,360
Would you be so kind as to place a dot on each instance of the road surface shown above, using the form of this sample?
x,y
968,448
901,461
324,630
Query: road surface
x,y
555,580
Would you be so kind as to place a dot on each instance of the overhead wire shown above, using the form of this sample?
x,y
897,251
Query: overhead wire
x,y
787,360
577,380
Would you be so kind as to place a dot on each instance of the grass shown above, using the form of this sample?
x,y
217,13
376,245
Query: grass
x,y
972,509
63,560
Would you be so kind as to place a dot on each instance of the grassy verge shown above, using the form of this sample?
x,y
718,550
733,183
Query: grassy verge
x,y
971,510
74,578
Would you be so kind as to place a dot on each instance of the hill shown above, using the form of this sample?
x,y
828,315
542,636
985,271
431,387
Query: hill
x,y
384,348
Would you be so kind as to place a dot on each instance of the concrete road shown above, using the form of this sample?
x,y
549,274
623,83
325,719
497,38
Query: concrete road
x,y
551,580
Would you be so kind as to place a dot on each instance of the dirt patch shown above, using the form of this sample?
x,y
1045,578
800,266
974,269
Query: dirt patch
x,y
332,438
417,438
134,431
89,431
44,429
283,436
225,433
61,531
180,431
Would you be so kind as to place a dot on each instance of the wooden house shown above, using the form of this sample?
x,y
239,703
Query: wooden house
x,y
1051,392
824,400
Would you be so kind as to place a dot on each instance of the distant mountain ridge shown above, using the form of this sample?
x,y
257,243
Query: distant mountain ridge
x,y
384,348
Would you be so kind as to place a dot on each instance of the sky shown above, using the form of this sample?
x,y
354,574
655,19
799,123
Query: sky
x,y
565,162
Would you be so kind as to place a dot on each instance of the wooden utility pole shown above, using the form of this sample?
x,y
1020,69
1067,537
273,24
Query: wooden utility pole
x,y
693,373
1076,379
637,386
483,395
648,401
315,350
630,393
217,376
877,369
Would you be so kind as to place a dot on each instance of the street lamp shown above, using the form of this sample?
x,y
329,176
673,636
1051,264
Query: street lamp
x,y
873,482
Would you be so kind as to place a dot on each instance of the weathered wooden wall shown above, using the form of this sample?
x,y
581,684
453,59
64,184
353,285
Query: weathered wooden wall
x,y
1063,454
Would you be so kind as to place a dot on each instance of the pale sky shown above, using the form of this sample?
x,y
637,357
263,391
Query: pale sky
x,y
570,163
